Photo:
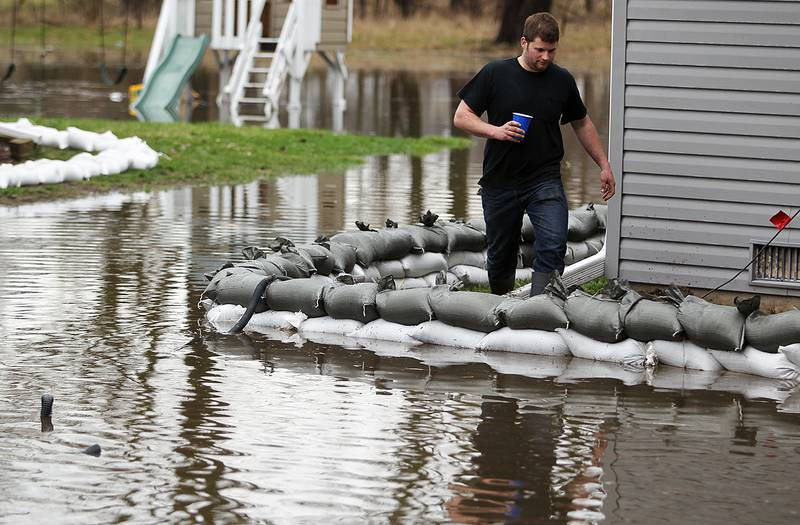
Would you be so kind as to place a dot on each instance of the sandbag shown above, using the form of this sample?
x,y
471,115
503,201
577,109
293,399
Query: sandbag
x,y
527,232
647,320
473,310
540,312
768,332
576,251
756,362
710,325
526,255
476,259
320,256
602,214
582,224
595,317
417,265
528,365
439,333
463,237
344,255
470,274
225,272
405,307
270,265
478,223
328,325
792,353
629,352
392,268
299,295
368,244
427,238
579,369
352,301
396,243
437,278
684,354
299,265
384,330
536,342
231,313
410,283
238,288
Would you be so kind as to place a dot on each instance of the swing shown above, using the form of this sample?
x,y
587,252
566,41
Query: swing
x,y
12,66
105,75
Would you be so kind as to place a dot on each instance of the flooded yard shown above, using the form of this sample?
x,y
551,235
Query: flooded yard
x,y
98,306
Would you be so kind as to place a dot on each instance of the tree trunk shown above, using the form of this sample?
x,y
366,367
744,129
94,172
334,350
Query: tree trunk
x,y
407,7
512,17
471,7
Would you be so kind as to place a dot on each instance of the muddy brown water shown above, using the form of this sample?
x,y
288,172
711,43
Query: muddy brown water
x,y
98,306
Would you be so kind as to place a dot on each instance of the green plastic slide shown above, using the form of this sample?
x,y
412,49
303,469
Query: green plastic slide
x,y
157,101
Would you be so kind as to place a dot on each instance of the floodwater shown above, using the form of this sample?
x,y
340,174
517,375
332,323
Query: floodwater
x,y
98,306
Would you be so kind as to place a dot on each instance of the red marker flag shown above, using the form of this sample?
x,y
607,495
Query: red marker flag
x,y
780,220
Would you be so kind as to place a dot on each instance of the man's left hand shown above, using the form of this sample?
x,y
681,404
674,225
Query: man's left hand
x,y
607,184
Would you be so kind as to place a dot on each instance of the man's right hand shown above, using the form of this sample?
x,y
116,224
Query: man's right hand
x,y
511,130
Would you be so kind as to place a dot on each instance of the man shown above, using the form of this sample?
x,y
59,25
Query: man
x,y
521,170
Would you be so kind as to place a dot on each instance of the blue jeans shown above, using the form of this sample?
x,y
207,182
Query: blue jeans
x,y
546,204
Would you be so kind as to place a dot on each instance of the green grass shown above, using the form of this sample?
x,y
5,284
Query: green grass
x,y
71,38
485,287
593,287
213,154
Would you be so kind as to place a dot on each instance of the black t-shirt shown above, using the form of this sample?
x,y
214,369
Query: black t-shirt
x,y
504,87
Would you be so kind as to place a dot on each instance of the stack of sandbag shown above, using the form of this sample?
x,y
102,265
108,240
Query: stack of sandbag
x,y
586,233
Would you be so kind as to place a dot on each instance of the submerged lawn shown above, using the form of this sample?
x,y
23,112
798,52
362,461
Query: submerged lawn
x,y
212,153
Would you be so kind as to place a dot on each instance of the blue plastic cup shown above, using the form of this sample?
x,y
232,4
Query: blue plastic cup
x,y
523,119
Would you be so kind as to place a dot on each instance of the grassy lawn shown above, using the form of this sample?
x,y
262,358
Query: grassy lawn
x,y
212,153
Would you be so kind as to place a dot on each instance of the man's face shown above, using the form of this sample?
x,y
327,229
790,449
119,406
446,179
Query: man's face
x,y
538,55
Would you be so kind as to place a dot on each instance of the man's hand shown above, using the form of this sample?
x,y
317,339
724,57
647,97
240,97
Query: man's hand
x,y
511,130
607,184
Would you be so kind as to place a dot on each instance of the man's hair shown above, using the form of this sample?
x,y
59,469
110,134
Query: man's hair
x,y
541,25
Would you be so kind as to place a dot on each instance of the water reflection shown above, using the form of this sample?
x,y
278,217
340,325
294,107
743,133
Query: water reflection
x,y
98,306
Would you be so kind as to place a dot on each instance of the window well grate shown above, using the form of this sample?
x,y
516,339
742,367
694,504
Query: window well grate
x,y
777,265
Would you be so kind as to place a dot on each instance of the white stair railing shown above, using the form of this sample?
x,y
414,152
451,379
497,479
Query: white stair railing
x,y
230,22
244,61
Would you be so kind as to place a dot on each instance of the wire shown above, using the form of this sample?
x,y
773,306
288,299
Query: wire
x,y
756,256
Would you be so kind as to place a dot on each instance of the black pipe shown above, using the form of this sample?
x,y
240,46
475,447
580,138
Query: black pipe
x,y
47,405
255,300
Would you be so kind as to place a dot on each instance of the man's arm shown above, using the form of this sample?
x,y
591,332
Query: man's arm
x,y
466,119
590,140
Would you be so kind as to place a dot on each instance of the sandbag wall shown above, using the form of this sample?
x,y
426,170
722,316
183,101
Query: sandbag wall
x,y
114,155
620,326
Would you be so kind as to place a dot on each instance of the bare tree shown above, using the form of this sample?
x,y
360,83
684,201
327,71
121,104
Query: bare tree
x,y
472,7
407,7
512,17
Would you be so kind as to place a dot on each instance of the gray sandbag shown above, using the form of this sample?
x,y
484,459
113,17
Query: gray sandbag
x,y
595,316
393,268
602,214
270,265
236,287
406,307
368,244
344,255
711,325
428,236
595,242
291,262
478,223
526,255
320,256
477,259
650,320
299,295
462,237
397,243
540,312
472,310
527,233
583,223
355,301
767,332
297,265
228,270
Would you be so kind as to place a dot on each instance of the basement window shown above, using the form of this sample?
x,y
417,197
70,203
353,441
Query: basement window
x,y
778,265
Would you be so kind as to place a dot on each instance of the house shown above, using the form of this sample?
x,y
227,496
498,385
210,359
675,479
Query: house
x,y
705,143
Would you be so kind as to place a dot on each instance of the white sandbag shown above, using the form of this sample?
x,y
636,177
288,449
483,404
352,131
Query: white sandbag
x,y
792,353
536,342
49,172
410,283
527,365
684,354
751,386
477,259
372,273
579,369
444,355
6,177
386,331
358,271
27,174
432,279
69,172
470,274
522,274
81,139
87,163
629,352
271,318
384,268
13,130
670,377
322,338
52,138
438,333
143,158
386,348
758,363
103,141
417,265
113,162
328,325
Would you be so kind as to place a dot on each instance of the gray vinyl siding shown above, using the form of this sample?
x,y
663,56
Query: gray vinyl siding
x,y
704,137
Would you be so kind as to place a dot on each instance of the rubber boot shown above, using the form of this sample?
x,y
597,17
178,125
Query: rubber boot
x,y
539,280
501,286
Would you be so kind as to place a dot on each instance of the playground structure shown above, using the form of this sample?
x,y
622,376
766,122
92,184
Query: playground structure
x,y
260,46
